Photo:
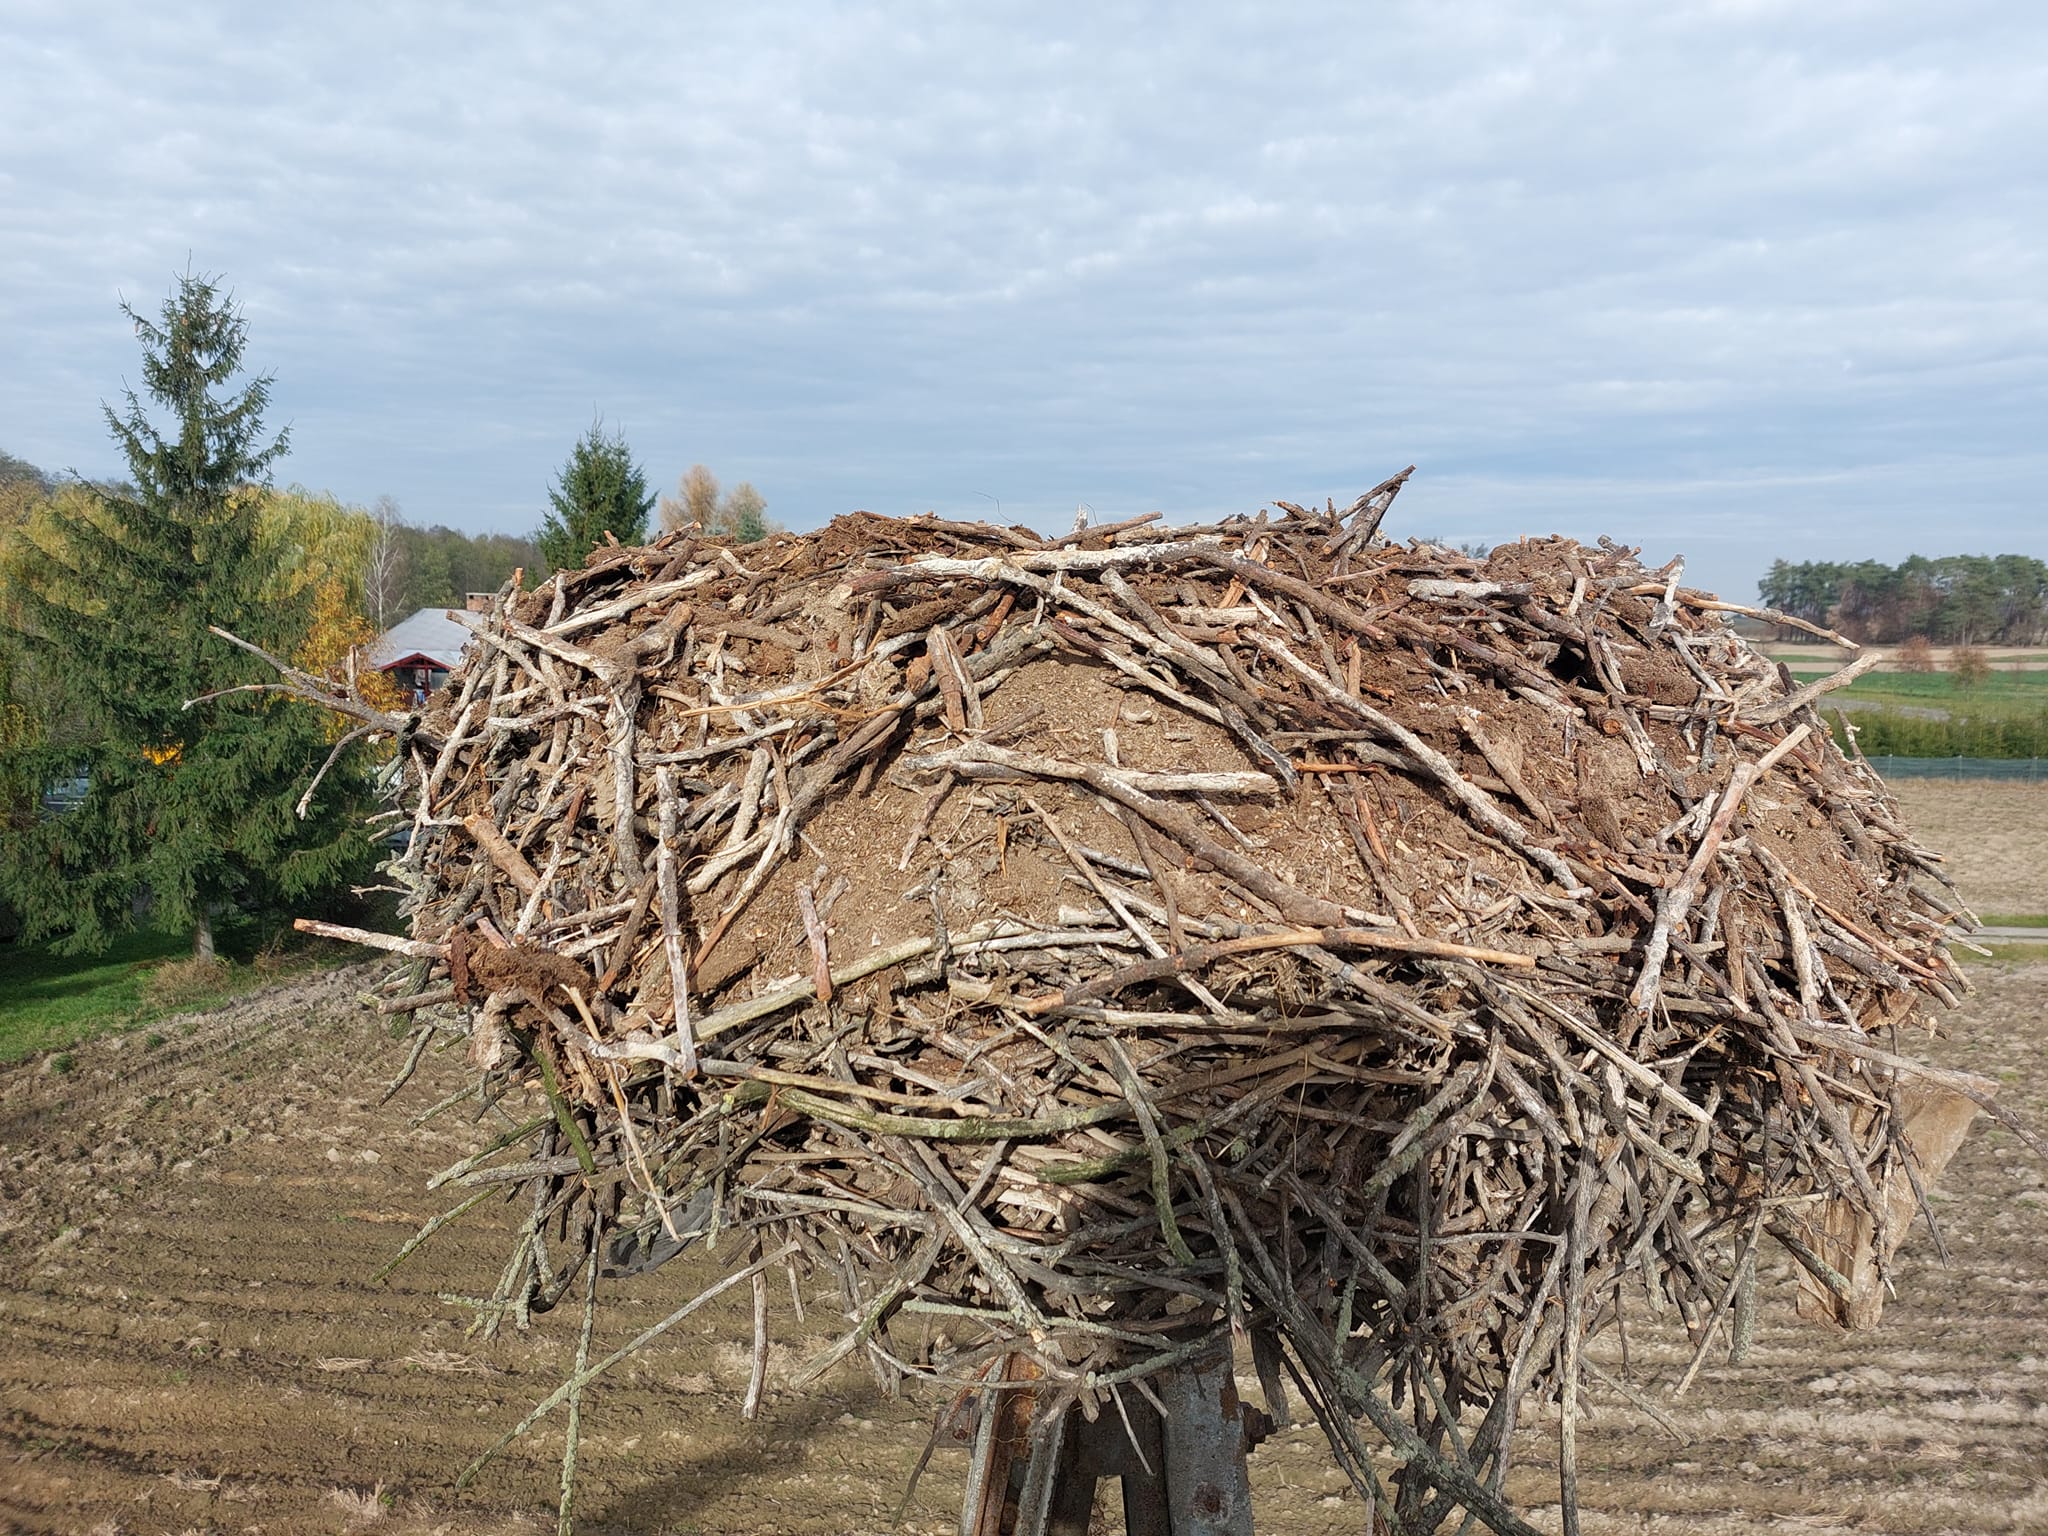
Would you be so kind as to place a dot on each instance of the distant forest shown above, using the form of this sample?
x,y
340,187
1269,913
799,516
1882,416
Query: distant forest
x,y
403,568
434,567
1953,600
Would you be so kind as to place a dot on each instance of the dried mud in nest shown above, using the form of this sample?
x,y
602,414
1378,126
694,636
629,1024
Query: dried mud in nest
x,y
1107,945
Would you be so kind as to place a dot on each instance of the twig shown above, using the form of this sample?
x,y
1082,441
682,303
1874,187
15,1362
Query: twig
x,y
584,1377
564,1516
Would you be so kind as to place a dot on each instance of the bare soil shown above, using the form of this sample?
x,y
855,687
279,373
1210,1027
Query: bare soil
x,y
1994,836
190,1339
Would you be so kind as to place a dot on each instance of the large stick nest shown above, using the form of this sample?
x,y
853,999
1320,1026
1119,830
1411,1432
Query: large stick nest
x,y
1095,946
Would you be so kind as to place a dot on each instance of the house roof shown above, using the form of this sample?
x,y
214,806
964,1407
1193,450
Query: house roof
x,y
429,634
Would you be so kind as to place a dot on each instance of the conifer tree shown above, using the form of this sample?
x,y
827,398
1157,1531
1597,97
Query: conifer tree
x,y
193,806
599,491
744,514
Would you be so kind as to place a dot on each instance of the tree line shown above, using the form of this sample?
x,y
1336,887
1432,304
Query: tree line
x,y
408,567
403,566
185,778
602,493
1949,600
391,567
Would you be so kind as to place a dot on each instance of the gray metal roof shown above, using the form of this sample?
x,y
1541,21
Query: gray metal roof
x,y
430,633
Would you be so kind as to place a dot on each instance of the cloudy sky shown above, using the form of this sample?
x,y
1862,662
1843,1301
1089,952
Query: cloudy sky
x,y
1737,280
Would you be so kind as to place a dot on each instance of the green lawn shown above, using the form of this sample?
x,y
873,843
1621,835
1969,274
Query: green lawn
x,y
1928,714
48,1001
2007,953
2010,951
2001,695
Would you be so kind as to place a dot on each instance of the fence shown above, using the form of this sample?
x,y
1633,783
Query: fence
x,y
2031,770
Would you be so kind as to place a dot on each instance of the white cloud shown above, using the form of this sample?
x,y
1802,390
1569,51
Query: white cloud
x,y
1662,266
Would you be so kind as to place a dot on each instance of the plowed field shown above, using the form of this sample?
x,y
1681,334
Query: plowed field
x,y
1995,837
190,1338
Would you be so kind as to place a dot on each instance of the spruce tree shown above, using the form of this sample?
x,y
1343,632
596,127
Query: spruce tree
x,y
744,515
195,807
600,490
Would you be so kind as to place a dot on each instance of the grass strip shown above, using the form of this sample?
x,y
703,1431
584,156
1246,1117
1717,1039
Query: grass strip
x,y
49,1001
2010,954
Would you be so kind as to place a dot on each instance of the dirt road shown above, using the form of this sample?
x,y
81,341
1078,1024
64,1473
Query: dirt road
x,y
2007,658
190,1339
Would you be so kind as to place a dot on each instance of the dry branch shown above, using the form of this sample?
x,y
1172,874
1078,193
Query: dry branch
x,y
1040,988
